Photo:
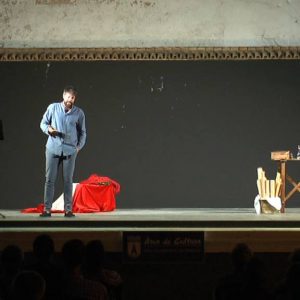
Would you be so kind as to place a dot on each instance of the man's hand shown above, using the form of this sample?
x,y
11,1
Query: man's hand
x,y
52,131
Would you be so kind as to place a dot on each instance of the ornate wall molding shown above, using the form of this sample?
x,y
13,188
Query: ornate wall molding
x,y
144,54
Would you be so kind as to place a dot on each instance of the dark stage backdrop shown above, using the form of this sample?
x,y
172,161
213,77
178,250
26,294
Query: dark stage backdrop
x,y
173,134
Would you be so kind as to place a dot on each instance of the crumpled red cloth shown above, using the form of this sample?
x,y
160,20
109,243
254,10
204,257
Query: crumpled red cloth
x,y
95,194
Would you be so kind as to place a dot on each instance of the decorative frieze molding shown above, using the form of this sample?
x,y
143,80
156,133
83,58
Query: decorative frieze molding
x,y
144,54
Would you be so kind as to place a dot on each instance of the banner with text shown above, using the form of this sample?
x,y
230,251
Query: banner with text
x,y
163,246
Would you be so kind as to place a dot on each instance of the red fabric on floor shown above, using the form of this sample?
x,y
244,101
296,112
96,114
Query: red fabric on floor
x,y
38,209
95,194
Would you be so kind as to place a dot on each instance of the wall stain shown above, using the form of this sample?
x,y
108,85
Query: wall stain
x,y
27,27
53,2
47,70
142,3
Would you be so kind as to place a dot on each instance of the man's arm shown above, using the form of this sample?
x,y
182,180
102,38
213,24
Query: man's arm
x,y
81,131
45,124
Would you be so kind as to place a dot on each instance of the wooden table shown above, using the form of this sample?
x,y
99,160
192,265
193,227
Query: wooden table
x,y
285,177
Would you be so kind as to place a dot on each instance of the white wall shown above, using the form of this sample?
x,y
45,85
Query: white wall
x,y
149,23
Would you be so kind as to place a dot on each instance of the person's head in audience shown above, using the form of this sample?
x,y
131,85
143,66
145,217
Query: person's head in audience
x,y
295,256
241,255
94,255
28,285
73,253
293,275
256,271
43,247
11,259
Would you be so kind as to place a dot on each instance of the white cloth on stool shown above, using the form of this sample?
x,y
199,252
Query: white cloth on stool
x,y
273,201
58,204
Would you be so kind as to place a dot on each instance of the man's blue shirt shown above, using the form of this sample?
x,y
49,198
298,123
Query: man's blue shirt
x,y
70,125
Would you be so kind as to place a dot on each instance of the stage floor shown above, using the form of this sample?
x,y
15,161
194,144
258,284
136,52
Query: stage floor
x,y
223,228
187,219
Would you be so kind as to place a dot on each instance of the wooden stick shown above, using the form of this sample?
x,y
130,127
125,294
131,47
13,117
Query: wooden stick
x,y
267,188
272,188
259,173
277,188
263,188
258,182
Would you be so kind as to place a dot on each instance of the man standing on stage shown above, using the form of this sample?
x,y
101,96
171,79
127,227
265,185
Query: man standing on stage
x,y
64,123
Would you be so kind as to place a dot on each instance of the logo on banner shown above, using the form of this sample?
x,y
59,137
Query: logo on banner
x,y
134,247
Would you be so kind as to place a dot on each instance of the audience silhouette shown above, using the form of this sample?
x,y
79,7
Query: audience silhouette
x,y
75,286
28,285
11,265
255,281
94,270
289,288
44,250
82,273
230,286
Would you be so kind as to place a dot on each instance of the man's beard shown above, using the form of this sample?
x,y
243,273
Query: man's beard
x,y
68,104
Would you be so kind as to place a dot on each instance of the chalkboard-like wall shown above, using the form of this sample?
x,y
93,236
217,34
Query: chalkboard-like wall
x,y
173,134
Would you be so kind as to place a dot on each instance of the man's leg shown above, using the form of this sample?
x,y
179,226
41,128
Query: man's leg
x,y
52,164
68,171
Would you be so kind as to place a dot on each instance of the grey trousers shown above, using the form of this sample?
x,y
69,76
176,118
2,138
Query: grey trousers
x,y
53,163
